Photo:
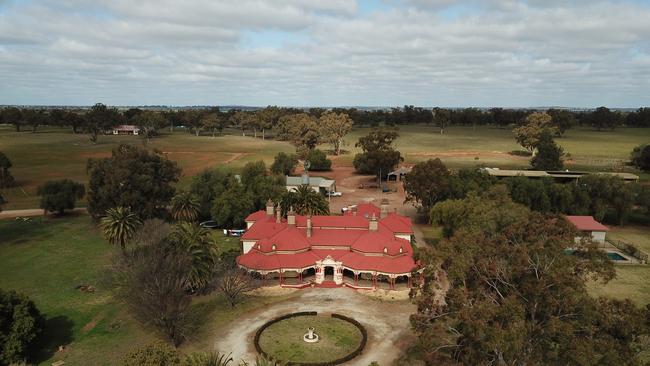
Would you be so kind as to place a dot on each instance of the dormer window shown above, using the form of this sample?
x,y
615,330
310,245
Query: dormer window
x,y
273,247
385,250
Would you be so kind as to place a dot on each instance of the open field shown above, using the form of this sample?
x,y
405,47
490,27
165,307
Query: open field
x,y
460,146
47,259
56,154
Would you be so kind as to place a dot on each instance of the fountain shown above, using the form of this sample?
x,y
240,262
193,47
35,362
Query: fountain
x,y
310,336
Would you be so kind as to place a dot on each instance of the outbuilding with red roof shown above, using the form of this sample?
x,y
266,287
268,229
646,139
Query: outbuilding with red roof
x,y
589,226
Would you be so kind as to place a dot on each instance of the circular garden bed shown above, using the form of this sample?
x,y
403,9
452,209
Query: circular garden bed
x,y
340,339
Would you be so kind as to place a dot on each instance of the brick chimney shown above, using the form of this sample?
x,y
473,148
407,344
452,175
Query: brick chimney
x,y
383,208
309,226
291,217
278,215
373,223
269,207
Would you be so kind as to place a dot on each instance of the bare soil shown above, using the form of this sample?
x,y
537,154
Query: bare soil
x,y
387,322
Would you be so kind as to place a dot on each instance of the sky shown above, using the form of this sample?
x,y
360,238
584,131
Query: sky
x,y
448,53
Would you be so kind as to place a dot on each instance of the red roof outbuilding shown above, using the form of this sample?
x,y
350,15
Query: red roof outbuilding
x,y
586,223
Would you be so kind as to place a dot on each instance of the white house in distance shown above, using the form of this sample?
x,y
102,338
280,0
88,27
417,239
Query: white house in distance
x,y
589,226
318,184
126,130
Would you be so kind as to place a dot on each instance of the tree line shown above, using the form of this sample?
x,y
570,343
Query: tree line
x,y
435,189
213,120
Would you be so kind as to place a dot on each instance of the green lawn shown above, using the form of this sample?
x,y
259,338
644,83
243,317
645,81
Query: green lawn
x,y
47,258
632,281
284,339
54,153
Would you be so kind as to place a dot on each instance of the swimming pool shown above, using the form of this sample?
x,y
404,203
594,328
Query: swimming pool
x,y
615,256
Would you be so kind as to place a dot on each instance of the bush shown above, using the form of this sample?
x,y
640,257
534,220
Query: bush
x,y
155,354
20,324
318,161
284,163
60,195
641,157
6,179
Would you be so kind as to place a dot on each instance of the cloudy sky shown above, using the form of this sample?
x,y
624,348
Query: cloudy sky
x,y
581,53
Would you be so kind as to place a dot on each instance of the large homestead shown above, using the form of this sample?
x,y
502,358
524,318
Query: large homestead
x,y
367,248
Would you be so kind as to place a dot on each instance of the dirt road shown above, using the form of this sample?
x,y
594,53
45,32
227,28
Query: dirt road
x,y
387,323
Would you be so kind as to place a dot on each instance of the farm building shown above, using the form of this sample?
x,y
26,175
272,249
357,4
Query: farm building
x,y
589,226
318,184
126,130
559,176
352,250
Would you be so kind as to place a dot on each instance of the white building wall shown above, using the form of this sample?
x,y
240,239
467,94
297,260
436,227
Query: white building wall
x,y
247,246
598,236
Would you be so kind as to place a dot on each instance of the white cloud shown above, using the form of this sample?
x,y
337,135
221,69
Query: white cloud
x,y
497,52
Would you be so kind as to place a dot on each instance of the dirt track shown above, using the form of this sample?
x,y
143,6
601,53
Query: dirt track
x,y
387,323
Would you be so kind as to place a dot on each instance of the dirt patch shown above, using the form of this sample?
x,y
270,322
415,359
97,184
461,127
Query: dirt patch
x,y
92,324
386,295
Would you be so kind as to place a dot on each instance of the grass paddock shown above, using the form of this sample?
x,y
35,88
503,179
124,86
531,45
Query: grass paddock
x,y
56,153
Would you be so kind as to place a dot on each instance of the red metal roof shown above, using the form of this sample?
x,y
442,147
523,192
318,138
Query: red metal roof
x,y
397,223
257,215
586,223
280,245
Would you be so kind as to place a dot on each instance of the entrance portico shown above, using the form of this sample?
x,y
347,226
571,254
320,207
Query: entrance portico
x,y
337,270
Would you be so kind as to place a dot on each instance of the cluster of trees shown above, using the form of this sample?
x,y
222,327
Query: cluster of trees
x,y
604,197
21,323
227,198
161,266
515,296
377,157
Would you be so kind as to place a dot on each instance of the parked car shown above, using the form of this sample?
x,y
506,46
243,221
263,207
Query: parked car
x,y
334,194
233,232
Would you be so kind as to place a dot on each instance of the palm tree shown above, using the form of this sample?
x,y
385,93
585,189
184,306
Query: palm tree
x,y
203,250
119,225
185,207
305,201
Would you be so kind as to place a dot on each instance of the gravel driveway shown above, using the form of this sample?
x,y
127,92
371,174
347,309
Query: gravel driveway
x,y
387,323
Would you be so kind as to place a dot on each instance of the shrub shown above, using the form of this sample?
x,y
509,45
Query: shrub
x,y
641,157
318,161
20,324
155,354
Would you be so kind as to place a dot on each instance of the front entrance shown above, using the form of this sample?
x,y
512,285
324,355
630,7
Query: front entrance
x,y
329,273
329,270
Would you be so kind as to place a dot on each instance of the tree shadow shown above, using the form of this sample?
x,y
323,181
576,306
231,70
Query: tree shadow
x,y
19,231
57,331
